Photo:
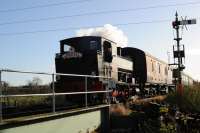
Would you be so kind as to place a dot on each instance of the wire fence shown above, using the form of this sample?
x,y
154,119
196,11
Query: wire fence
x,y
36,95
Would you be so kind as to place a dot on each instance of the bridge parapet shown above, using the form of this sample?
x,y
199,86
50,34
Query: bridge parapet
x,y
73,121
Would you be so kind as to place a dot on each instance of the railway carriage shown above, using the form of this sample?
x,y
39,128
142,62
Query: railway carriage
x,y
187,80
150,73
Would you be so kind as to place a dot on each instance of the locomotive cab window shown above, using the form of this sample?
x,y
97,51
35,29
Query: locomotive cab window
x,y
93,45
107,51
69,52
68,49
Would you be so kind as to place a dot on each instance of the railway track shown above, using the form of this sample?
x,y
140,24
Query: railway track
x,y
158,98
47,109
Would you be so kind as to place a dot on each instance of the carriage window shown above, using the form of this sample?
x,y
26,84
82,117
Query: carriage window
x,y
159,68
166,72
152,66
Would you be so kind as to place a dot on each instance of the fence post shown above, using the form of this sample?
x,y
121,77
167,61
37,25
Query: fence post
x,y
53,90
1,116
86,103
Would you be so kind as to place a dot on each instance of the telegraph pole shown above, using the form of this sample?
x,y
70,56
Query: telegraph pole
x,y
179,51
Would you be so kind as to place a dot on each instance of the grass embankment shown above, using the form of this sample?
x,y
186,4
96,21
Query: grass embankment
x,y
27,101
187,109
16,106
188,101
145,119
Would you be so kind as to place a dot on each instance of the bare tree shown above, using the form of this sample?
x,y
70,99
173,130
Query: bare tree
x,y
36,81
5,84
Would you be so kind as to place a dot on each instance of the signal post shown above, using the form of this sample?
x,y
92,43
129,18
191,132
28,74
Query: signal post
x,y
179,52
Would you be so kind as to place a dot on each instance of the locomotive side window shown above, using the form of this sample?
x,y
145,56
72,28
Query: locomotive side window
x,y
129,78
124,76
107,51
121,77
118,51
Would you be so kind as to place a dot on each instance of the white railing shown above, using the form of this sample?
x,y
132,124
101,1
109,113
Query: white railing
x,y
53,93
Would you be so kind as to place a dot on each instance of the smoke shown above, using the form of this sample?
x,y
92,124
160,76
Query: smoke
x,y
193,52
108,31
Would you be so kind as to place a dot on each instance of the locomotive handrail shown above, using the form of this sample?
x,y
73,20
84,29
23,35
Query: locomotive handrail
x,y
51,94
48,73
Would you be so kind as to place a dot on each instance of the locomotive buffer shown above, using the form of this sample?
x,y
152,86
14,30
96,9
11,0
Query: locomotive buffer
x,y
179,51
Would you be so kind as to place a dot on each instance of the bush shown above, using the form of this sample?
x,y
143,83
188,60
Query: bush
x,y
188,101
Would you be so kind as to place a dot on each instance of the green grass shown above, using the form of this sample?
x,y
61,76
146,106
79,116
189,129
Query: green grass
x,y
25,102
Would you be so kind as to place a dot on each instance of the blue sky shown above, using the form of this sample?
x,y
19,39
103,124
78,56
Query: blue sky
x,y
36,52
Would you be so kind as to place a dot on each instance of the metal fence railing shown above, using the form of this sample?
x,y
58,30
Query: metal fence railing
x,y
51,90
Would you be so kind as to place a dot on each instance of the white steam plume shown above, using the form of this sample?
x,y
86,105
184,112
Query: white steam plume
x,y
108,31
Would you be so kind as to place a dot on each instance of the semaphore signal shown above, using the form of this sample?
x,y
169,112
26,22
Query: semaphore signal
x,y
179,51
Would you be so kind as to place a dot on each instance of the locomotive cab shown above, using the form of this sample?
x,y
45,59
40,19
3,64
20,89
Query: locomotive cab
x,y
78,56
